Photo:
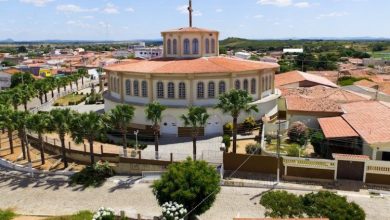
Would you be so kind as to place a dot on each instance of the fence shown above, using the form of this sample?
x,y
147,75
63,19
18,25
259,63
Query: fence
x,y
377,172
309,168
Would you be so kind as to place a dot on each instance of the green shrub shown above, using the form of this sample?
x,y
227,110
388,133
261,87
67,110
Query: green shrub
x,y
82,215
293,150
332,206
249,124
268,138
228,128
298,133
316,139
281,204
253,149
94,175
142,146
7,214
226,140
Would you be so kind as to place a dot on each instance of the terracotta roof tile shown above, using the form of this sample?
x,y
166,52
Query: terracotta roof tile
x,y
301,104
199,65
298,76
189,29
336,127
350,157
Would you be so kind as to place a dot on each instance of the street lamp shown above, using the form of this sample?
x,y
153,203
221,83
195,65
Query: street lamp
x,y
136,139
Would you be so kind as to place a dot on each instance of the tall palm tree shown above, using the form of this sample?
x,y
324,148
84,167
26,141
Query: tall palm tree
x,y
61,120
16,97
83,73
7,121
28,92
153,113
196,118
51,82
119,119
20,119
39,87
87,126
40,124
235,102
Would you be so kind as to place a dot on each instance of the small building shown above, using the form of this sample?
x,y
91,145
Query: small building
x,y
148,53
293,50
243,55
295,79
120,54
375,62
5,80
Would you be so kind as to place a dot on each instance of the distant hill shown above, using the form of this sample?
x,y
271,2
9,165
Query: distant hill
x,y
9,40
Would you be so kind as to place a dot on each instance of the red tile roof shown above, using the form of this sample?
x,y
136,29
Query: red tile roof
x,y
370,119
336,127
300,104
350,157
298,76
199,65
189,29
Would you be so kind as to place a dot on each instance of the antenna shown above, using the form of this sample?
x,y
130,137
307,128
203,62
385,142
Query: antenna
x,y
190,12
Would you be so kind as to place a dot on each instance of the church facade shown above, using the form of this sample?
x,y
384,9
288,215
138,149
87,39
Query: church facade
x,y
191,73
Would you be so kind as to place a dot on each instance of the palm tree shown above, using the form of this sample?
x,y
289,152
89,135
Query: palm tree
x,y
87,126
51,82
7,121
39,123
28,92
235,102
196,118
153,113
16,97
20,119
39,86
119,119
61,120
83,73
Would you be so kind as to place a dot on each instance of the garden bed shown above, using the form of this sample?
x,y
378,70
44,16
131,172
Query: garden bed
x,y
71,99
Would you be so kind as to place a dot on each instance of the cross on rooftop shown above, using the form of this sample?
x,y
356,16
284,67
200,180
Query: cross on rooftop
x,y
190,12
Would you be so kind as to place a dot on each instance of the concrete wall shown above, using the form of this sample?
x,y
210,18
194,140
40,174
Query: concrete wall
x,y
310,173
256,164
136,166
378,179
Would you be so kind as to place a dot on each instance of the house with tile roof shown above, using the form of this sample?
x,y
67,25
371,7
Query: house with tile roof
x,y
295,79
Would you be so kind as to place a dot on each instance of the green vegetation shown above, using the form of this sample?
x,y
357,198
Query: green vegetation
x,y
21,78
189,183
82,215
7,63
226,140
71,99
281,204
298,133
7,214
93,175
350,80
153,114
253,149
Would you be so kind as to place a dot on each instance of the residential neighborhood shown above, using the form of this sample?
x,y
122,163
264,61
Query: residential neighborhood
x,y
189,119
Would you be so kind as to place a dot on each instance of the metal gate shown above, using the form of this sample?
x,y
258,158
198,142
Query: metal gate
x,y
350,170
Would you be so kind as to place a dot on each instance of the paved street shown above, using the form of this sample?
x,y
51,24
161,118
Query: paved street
x,y
53,196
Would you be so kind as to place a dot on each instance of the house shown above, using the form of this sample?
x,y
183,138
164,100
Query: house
x,y
296,79
293,50
309,104
148,53
5,80
243,55
370,120
375,62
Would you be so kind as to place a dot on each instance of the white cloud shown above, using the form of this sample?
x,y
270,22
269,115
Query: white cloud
x,y
183,9
74,8
279,3
284,3
38,3
333,14
258,16
129,9
219,10
111,9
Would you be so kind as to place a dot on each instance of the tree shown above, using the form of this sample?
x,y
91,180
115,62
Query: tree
x,y
21,78
61,120
330,205
16,97
82,73
40,124
87,126
235,102
119,119
22,49
20,119
41,88
298,133
27,92
153,113
7,63
7,121
188,183
196,118
281,204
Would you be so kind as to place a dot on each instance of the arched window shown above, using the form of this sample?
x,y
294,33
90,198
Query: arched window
x,y
128,87
144,89
171,90
160,90
195,46
211,91
237,84
186,47
136,88
253,86
182,90
169,46
213,45
207,43
246,85
200,93
174,46
222,87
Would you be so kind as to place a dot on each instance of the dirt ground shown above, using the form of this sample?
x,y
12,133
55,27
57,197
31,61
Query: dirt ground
x,y
51,161
241,144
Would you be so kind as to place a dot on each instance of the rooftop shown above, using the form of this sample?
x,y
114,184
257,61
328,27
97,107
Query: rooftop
x,y
198,65
189,30
301,104
370,119
336,127
298,76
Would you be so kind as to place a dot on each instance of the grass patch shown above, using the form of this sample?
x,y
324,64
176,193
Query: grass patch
x,y
71,99
82,215
350,80
286,147
7,214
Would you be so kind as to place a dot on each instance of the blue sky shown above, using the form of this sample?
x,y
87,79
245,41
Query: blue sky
x,y
144,19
